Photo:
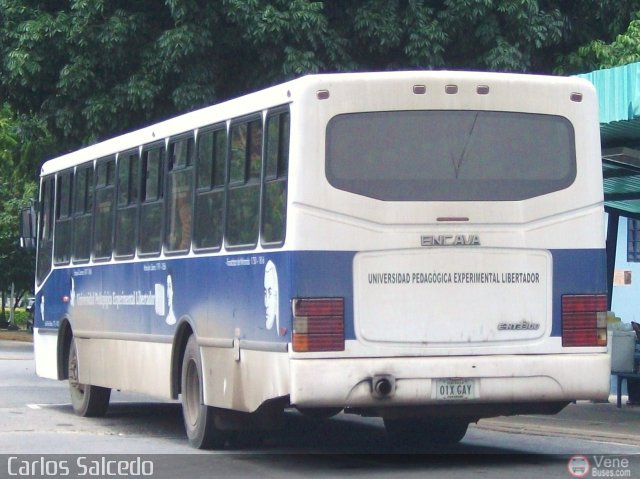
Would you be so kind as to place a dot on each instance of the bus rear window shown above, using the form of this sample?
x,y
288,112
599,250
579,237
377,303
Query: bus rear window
x,y
450,155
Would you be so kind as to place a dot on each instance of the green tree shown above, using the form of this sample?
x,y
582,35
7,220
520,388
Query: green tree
x,y
90,69
599,54
16,265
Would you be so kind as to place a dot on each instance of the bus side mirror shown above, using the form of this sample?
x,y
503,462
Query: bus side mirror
x,y
28,228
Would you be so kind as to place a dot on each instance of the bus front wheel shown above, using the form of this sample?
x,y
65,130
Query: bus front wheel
x,y
199,419
87,400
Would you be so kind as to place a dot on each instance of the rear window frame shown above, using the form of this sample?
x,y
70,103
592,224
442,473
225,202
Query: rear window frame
x,y
454,189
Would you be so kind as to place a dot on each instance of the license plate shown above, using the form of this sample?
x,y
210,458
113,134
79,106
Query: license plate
x,y
455,389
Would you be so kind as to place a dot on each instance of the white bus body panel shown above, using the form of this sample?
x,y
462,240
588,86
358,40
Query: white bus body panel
x,y
45,346
497,379
452,296
417,336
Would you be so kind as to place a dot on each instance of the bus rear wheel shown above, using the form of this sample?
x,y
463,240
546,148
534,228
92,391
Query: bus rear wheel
x,y
87,400
426,431
199,419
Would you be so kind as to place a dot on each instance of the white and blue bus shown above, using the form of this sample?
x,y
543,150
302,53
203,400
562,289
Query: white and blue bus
x,y
424,247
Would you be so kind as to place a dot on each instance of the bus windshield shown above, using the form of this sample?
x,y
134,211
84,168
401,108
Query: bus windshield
x,y
450,155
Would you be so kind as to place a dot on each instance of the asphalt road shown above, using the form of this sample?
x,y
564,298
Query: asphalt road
x,y
38,430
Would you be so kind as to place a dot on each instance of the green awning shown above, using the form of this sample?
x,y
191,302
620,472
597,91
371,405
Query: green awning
x,y
618,92
621,173
619,103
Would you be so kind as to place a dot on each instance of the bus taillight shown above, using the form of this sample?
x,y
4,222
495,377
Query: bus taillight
x,y
584,320
318,324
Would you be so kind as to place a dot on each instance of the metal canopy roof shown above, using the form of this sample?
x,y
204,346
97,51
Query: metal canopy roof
x,y
619,104
621,172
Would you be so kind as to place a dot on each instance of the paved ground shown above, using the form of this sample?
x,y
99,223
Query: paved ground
x,y
582,420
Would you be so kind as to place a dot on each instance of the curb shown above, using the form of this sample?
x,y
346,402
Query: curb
x,y
515,427
19,335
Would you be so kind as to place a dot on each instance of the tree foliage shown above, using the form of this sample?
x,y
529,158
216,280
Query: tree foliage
x,y
88,69
598,54
16,190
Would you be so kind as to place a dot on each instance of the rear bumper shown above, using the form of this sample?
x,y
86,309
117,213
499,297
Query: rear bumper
x,y
503,379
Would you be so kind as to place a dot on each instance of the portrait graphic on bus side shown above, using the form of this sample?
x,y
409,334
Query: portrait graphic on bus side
x,y
272,314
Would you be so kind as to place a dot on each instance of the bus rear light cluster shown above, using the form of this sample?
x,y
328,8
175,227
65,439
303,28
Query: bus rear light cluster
x,y
584,320
318,324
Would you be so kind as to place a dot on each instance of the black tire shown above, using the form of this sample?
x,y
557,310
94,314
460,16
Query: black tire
x,y
424,432
87,400
199,419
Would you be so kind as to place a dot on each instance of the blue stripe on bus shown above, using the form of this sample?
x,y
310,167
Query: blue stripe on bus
x,y
136,297
576,272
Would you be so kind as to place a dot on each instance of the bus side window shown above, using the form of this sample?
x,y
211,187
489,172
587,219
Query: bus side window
x,y
45,229
150,232
180,194
209,211
127,211
103,226
64,224
245,165
274,201
82,213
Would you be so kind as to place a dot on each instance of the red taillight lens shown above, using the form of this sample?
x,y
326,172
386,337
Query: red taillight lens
x,y
318,324
584,320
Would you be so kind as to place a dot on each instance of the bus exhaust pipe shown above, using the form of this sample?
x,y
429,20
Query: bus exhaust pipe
x,y
383,386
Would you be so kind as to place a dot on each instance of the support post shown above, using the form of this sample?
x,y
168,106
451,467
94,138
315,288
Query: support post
x,y
612,242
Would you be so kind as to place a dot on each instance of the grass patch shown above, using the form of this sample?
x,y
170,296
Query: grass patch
x,y
20,316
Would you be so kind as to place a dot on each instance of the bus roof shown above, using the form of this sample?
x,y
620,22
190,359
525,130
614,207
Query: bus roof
x,y
281,94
